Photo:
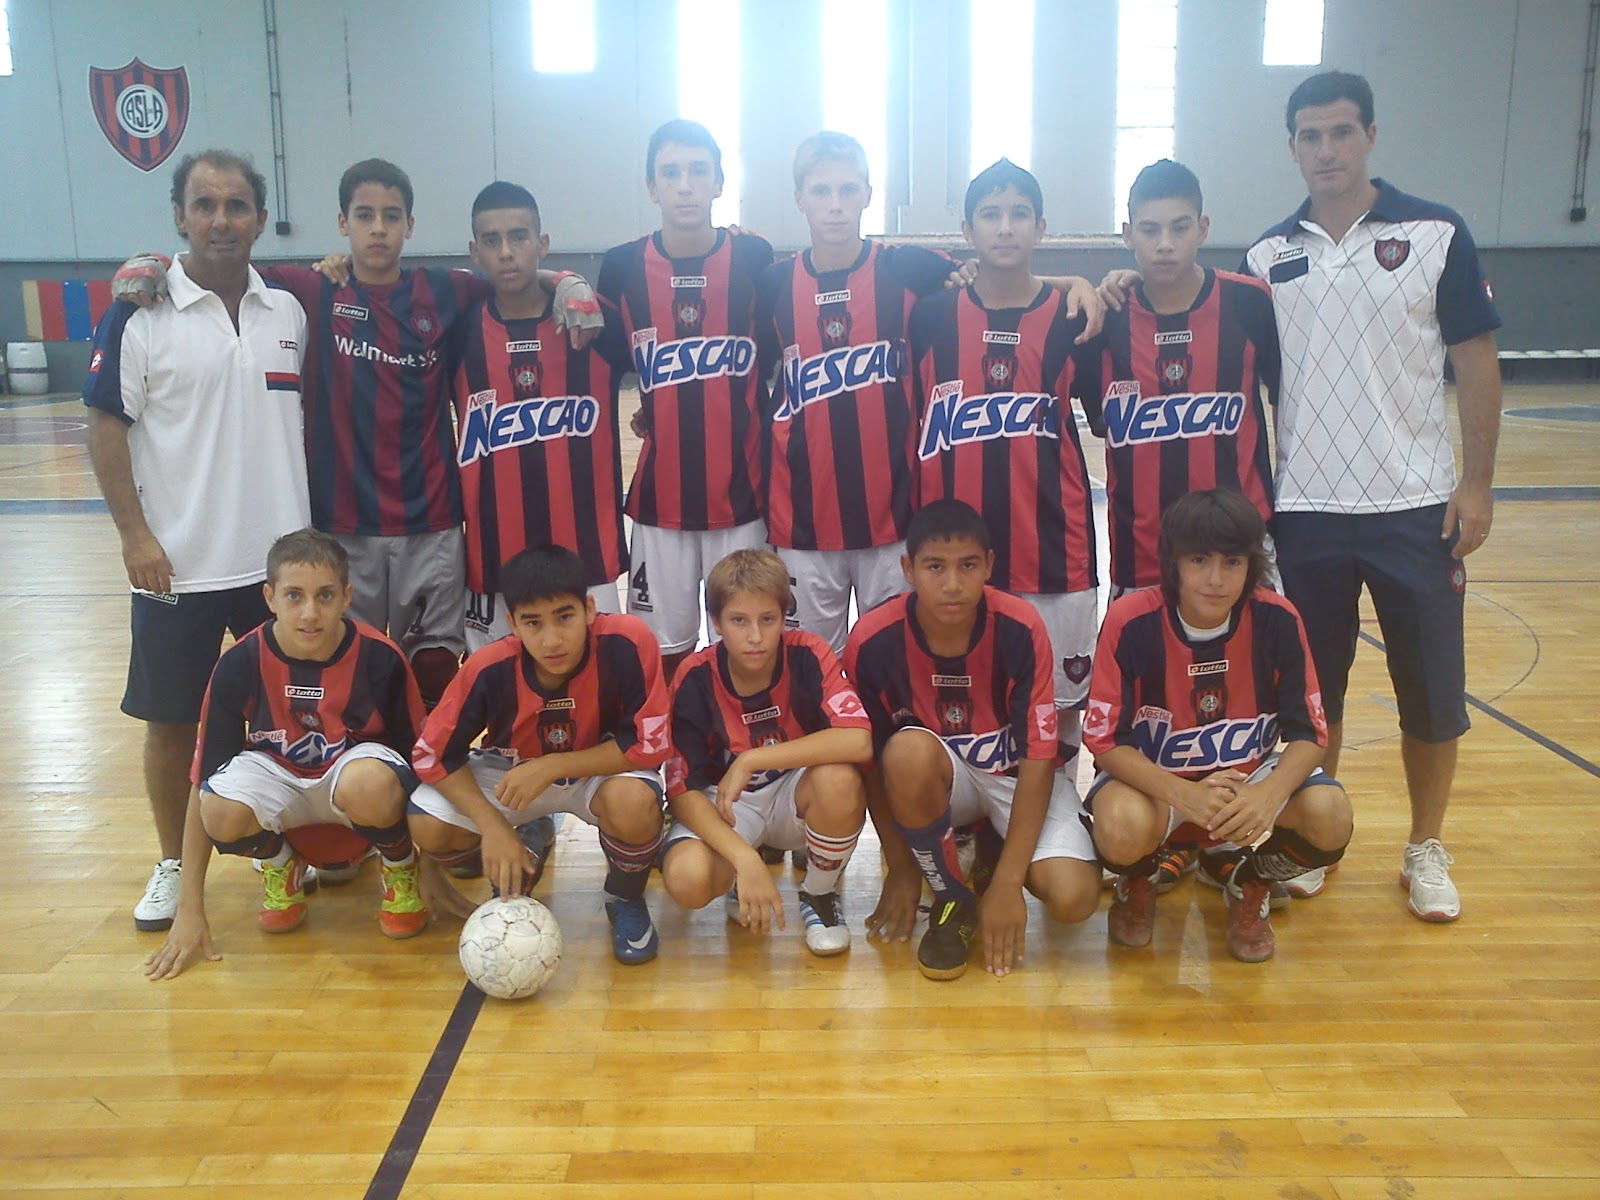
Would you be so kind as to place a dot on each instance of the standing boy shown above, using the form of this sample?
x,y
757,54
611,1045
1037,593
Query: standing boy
x,y
309,720
687,298
573,717
956,677
766,733
1195,683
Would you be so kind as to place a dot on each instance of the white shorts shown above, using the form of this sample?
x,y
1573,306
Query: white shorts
x,y
976,794
486,618
1073,621
823,579
669,566
1271,580
489,769
283,800
762,818
414,587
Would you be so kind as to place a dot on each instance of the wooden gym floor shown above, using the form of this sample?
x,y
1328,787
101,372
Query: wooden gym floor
x,y
1374,1057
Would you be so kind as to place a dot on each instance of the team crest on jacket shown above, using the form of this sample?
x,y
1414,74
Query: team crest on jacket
x,y
424,323
528,379
1076,667
1391,253
142,110
689,314
998,371
835,330
1175,372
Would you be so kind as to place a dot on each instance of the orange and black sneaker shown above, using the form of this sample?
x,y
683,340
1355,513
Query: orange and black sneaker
x,y
283,895
1176,862
1217,867
942,953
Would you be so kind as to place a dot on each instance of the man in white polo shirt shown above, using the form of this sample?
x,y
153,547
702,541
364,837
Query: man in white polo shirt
x,y
1374,289
194,433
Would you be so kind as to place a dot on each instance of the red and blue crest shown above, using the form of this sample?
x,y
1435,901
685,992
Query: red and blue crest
x,y
142,110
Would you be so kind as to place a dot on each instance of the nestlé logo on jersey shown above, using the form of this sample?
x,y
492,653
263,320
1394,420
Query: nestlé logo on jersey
x,y
1210,747
953,419
808,381
309,750
1132,419
490,427
669,363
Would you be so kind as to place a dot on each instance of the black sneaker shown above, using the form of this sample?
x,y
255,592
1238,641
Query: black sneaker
x,y
942,953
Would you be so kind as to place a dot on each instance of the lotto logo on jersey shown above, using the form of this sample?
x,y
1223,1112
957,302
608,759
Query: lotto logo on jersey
x,y
669,363
94,363
807,381
354,311
1133,420
302,693
992,752
1210,747
953,419
764,714
654,734
491,427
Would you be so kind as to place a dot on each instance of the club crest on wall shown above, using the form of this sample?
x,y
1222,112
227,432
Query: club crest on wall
x,y
142,110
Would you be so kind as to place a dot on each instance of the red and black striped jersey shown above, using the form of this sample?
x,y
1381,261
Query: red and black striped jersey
x,y
842,425
617,694
998,433
994,705
305,714
690,336
712,723
379,443
1194,707
1177,398
537,445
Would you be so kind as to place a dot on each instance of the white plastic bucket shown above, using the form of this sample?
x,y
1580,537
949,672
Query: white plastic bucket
x,y
29,372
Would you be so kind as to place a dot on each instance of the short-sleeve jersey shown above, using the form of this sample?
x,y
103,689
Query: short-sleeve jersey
x,y
1194,707
1177,398
214,423
306,714
842,424
998,432
712,723
1363,324
690,328
537,445
378,439
618,693
994,705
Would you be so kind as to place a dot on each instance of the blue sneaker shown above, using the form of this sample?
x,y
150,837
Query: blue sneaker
x,y
633,933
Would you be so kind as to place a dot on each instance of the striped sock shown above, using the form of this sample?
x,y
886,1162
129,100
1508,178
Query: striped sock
x,y
825,858
630,864
265,845
392,841
934,848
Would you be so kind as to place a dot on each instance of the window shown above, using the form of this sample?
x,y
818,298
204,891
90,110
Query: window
x,y
1147,70
5,41
708,87
1002,83
1292,36
563,36
855,88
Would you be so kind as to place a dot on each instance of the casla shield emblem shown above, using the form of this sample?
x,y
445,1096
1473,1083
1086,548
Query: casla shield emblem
x,y
142,110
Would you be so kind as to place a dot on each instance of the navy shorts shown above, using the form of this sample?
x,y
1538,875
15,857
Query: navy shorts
x,y
1418,590
176,643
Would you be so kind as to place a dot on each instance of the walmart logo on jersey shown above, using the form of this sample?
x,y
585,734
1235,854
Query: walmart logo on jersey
x,y
954,419
1133,420
308,750
490,426
823,376
662,364
1212,747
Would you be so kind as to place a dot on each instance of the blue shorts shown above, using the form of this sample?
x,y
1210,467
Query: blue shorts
x,y
1419,592
176,643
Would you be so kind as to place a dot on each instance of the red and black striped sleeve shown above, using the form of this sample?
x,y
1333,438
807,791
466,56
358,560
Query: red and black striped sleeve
x,y
699,741
224,713
634,705
482,698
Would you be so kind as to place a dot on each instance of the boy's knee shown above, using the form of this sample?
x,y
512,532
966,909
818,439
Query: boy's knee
x,y
834,789
1327,819
1125,824
227,820
1068,888
369,791
628,808
688,873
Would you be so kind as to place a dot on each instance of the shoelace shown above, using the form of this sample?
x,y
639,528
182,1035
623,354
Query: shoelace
x,y
1432,865
164,883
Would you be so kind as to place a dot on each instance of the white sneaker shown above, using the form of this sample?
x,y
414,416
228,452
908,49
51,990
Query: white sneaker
x,y
160,903
823,918
1308,884
1425,870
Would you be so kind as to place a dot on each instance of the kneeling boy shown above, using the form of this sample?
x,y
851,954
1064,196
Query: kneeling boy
x,y
308,720
1193,686
765,732
574,718
957,678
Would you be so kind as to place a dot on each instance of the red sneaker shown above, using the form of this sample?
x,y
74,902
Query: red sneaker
x,y
1132,917
1250,936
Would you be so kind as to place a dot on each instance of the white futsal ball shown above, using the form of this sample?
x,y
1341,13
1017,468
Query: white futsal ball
x,y
510,946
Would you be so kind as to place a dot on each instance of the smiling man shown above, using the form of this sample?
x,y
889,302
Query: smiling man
x,y
194,433
1374,290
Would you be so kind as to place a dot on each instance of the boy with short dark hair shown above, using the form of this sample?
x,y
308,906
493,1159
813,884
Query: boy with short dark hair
x,y
995,372
956,677
537,441
309,720
1194,685
573,715
766,734
686,294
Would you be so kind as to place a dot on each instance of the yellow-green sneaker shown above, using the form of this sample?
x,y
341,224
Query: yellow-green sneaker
x,y
283,895
402,913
